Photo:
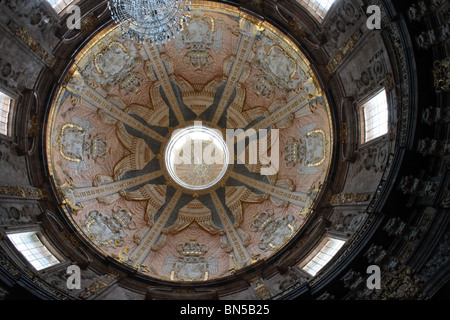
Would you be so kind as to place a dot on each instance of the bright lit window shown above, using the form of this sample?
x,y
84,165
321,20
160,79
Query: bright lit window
x,y
325,254
375,113
197,157
60,5
31,247
319,7
5,108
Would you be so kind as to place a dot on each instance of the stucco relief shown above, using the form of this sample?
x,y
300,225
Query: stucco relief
x,y
77,146
278,70
190,265
106,229
308,152
273,232
199,35
12,74
12,166
18,214
114,65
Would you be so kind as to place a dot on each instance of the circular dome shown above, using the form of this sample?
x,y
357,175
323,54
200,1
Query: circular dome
x,y
127,110
196,157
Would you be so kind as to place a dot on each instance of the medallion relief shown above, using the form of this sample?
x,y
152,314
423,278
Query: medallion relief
x,y
190,265
108,230
77,146
199,35
273,231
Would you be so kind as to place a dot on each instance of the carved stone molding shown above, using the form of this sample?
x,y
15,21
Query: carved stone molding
x,y
403,285
99,285
350,198
436,115
433,147
417,187
441,74
419,10
344,52
23,192
33,45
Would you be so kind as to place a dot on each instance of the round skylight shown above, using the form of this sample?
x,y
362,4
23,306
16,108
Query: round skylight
x,y
196,157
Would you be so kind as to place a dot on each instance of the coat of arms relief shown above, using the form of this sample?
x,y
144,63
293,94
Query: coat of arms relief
x,y
274,231
199,36
307,152
77,146
190,265
113,65
108,230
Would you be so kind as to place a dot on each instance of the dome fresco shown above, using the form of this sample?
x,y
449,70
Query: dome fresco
x,y
121,104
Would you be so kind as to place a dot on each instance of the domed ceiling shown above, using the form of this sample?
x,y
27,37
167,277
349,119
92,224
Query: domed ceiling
x,y
113,152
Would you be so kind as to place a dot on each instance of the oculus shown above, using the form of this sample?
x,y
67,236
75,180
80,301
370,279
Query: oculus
x,y
196,157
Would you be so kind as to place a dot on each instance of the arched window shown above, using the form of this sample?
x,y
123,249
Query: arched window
x,y
318,8
374,117
29,244
322,255
6,104
60,5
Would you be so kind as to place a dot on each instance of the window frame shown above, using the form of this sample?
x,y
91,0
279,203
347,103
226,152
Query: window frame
x,y
317,249
318,16
11,115
44,241
362,121
62,10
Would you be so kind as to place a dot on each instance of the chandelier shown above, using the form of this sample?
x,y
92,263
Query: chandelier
x,y
155,21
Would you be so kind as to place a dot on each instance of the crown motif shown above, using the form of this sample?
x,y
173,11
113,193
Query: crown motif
x,y
264,87
291,152
123,217
99,148
199,58
192,249
262,219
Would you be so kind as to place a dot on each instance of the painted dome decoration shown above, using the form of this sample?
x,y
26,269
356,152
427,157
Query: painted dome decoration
x,y
228,86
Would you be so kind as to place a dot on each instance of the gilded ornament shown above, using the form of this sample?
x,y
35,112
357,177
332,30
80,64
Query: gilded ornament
x,y
441,72
191,265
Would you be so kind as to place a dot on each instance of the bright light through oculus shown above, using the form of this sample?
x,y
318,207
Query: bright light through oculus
x,y
197,157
